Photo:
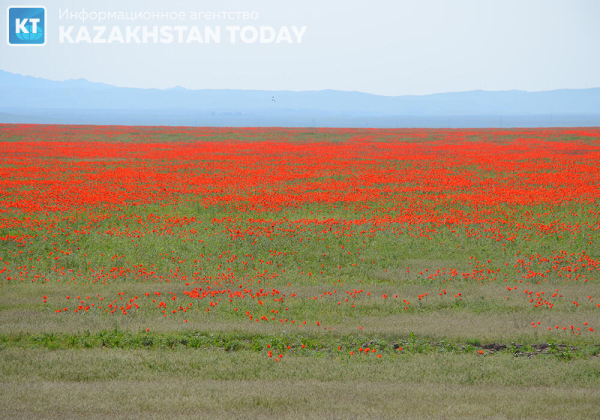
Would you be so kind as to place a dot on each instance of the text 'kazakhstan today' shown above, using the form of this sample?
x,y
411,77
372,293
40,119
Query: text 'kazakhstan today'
x,y
143,34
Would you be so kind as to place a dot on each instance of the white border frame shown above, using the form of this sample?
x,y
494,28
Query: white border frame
x,y
8,26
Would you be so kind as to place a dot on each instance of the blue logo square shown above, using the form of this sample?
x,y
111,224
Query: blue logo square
x,y
26,25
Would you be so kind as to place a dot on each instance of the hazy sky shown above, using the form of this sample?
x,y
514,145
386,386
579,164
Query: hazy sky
x,y
382,47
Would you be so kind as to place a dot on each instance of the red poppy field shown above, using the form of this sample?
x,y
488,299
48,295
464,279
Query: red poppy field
x,y
370,249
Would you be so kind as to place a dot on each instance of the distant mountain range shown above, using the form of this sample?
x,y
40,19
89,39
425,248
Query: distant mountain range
x,y
34,100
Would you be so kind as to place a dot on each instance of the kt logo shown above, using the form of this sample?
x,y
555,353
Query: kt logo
x,y
26,25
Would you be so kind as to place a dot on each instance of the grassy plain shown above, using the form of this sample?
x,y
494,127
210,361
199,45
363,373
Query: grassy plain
x,y
182,303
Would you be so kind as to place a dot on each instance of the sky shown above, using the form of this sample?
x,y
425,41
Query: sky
x,y
383,47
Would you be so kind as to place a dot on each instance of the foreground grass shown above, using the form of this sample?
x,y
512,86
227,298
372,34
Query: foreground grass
x,y
40,383
307,344
487,312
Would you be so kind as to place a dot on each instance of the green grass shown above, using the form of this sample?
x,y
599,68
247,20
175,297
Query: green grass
x,y
100,362
217,365
200,383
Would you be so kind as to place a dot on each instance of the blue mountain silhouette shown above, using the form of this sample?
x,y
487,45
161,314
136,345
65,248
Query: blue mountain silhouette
x,y
26,98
